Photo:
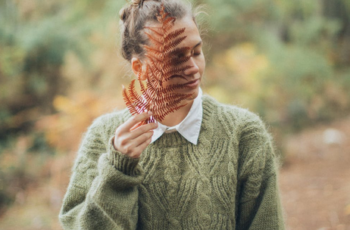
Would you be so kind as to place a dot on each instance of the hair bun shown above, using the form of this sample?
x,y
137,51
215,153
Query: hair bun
x,y
136,2
123,13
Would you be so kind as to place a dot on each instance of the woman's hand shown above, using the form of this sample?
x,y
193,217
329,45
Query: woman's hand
x,y
133,142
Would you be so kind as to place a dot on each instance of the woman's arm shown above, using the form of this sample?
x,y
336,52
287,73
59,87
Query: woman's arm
x,y
102,193
258,196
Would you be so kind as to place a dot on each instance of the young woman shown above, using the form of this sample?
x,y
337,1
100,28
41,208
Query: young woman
x,y
206,166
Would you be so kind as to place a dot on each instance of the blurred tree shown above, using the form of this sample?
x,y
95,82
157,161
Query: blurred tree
x,y
33,51
35,38
287,60
300,43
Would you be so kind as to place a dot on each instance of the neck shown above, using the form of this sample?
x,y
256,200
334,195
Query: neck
x,y
176,117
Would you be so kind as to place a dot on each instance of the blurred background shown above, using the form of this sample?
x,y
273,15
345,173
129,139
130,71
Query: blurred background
x,y
288,61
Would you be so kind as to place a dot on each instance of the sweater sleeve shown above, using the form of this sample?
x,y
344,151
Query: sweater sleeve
x,y
102,193
259,204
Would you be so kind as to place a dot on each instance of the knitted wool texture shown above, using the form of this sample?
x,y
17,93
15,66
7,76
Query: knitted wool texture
x,y
227,181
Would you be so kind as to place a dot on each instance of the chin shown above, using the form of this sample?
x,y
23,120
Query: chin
x,y
194,93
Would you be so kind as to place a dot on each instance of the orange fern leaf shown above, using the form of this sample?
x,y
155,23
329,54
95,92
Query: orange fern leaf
x,y
164,60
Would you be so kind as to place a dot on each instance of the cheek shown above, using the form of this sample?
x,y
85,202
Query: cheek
x,y
201,65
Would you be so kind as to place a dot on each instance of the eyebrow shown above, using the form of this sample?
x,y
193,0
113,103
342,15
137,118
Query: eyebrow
x,y
198,44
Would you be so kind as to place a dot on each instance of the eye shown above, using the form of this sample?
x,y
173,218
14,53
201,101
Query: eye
x,y
196,52
181,55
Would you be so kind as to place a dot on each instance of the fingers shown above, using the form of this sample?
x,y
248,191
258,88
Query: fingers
x,y
136,147
139,149
134,120
133,141
142,138
125,132
143,129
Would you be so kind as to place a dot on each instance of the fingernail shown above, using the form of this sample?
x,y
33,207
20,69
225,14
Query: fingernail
x,y
149,112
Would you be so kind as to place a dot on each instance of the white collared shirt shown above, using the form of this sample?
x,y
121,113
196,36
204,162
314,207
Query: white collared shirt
x,y
189,127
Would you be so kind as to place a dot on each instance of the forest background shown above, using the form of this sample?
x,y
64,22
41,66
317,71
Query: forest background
x,y
60,68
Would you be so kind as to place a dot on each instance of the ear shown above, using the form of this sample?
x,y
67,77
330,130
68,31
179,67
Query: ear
x,y
137,67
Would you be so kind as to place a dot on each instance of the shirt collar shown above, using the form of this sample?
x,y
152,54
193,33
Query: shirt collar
x,y
189,127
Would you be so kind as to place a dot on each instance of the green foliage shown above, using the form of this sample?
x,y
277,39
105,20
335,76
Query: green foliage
x,y
287,60
305,65
33,48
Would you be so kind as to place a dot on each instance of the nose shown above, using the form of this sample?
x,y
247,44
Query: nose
x,y
193,69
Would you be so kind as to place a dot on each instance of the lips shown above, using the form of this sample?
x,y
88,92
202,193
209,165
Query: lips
x,y
192,84
177,76
187,83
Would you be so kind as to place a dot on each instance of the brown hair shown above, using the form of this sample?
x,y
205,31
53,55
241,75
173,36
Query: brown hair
x,y
137,14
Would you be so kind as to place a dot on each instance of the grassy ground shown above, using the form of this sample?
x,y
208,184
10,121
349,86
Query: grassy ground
x,y
315,180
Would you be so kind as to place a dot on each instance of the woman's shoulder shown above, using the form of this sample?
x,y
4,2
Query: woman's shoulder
x,y
110,121
233,114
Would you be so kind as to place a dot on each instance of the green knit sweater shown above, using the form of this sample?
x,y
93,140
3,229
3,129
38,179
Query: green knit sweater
x,y
227,181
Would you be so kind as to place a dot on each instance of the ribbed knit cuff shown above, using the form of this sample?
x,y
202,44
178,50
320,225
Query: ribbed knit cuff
x,y
122,162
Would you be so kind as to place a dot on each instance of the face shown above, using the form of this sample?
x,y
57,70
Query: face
x,y
191,77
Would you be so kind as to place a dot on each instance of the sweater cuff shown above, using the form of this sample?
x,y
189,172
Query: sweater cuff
x,y
122,162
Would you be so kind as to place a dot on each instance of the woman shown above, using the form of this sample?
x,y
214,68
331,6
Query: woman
x,y
206,166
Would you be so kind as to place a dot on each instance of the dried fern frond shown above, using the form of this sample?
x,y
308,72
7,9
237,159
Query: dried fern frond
x,y
164,59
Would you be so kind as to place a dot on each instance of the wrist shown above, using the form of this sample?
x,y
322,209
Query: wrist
x,y
122,162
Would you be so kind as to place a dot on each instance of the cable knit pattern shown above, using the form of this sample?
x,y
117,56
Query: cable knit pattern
x,y
227,181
